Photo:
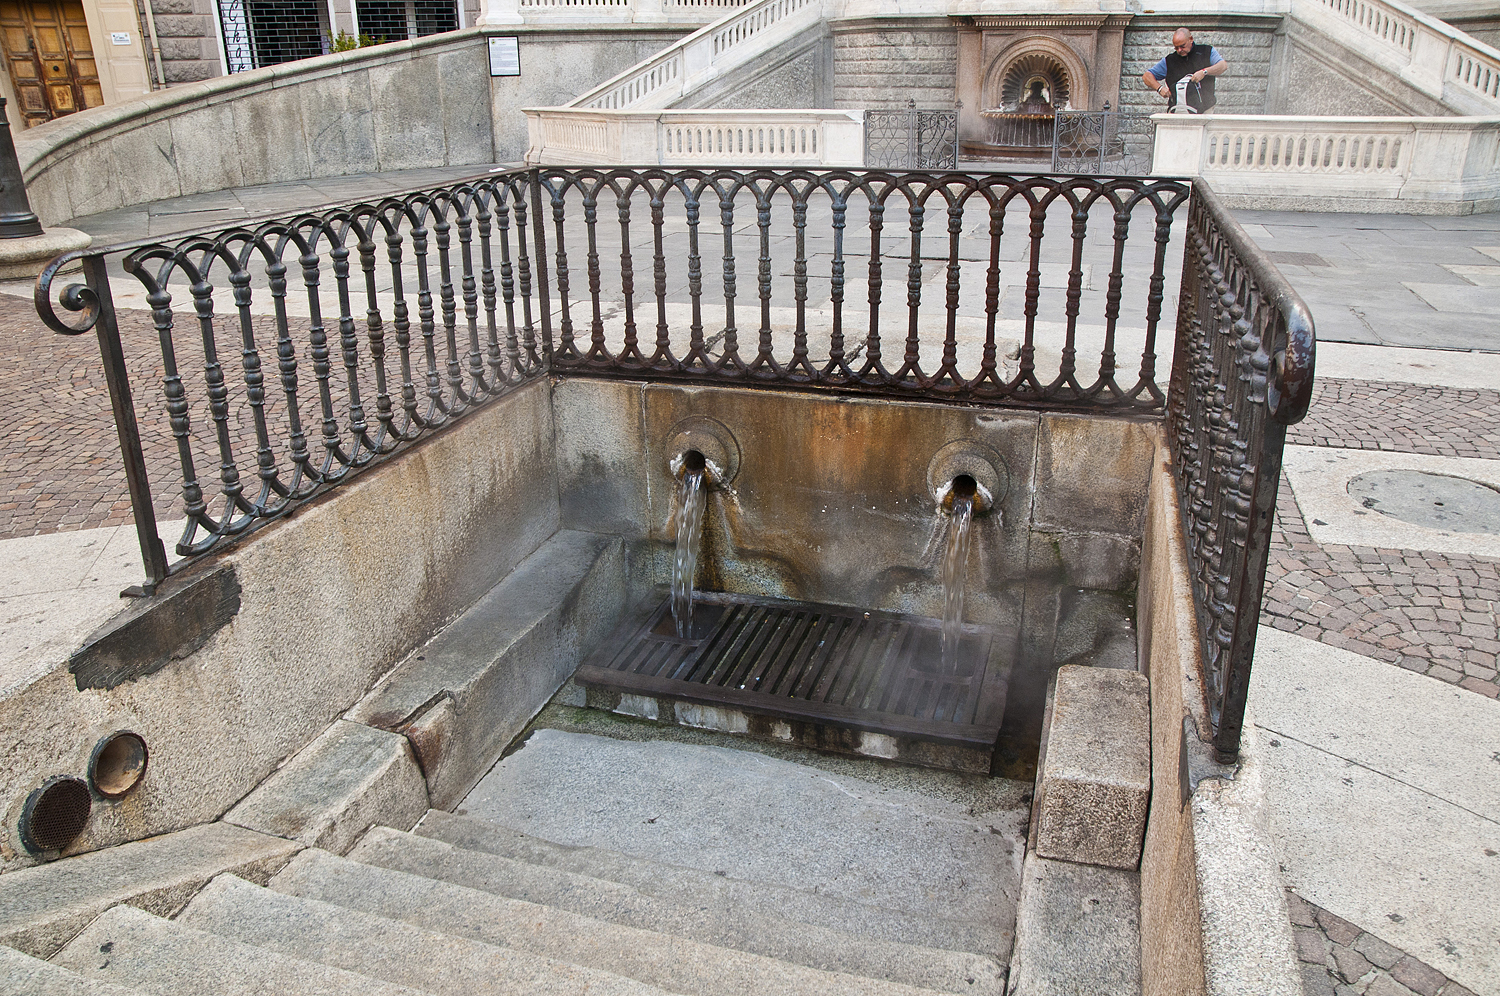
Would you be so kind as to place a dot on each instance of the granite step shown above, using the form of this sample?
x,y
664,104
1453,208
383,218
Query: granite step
x,y
43,907
165,958
754,932
757,818
675,964
23,975
387,949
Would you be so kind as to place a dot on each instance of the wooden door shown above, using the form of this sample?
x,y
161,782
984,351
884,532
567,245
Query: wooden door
x,y
51,59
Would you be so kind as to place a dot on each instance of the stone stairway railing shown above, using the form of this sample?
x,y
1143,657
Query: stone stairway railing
x,y
577,12
623,120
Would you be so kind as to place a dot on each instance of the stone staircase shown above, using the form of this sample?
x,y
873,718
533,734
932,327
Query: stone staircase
x,y
587,864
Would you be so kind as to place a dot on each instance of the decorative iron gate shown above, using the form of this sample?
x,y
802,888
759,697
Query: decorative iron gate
x,y
1100,143
911,139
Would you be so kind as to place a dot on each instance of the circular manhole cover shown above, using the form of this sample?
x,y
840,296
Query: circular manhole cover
x,y
1436,501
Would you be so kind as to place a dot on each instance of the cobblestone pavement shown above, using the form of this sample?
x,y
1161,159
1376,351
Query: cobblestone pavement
x,y
1401,418
1340,959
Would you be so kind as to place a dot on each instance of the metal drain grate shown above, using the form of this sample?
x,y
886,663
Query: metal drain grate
x,y
873,670
55,814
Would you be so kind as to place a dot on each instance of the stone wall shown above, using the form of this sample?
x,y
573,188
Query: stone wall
x,y
885,63
328,602
406,105
1316,75
189,43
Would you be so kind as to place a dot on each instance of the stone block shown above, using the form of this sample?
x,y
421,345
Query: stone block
x,y
23,975
271,120
340,128
1077,931
44,907
464,695
337,787
601,468
1094,775
407,134
1113,455
464,84
206,149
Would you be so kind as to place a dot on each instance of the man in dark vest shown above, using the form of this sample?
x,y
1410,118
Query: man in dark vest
x,y
1198,63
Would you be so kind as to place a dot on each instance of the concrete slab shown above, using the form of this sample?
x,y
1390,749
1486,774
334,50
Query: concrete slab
x,y
1077,932
1094,775
1384,801
23,975
348,779
1462,299
1320,478
42,907
1458,368
748,817
161,957
1479,276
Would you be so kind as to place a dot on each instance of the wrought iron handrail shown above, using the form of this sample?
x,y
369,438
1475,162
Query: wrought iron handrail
x,y
443,365
1242,373
523,273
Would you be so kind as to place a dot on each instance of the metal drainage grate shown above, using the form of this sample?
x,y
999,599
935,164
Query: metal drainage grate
x,y
878,671
55,814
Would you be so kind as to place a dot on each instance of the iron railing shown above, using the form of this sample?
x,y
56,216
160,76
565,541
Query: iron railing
x,y
1020,291
911,139
435,316
1242,373
1102,143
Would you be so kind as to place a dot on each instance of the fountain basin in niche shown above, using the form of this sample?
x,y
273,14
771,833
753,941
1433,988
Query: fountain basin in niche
x,y
831,504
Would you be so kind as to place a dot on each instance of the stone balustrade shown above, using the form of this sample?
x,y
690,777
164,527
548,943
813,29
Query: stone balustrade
x,y
589,12
586,136
1430,165
1436,58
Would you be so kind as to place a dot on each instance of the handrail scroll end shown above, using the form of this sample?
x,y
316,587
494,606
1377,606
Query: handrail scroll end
x,y
74,297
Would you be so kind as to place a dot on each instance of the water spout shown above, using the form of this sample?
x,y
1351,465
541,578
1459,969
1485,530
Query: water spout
x,y
691,495
955,567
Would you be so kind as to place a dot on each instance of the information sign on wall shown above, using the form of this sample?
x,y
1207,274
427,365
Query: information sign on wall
x,y
505,56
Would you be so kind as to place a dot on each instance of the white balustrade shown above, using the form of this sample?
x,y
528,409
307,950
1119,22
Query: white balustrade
x,y
1448,65
590,12
1337,163
584,136
736,38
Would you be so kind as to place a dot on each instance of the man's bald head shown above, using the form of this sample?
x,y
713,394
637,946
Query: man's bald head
x,y
1182,39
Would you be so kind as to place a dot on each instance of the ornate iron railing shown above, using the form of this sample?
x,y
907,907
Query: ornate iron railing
x,y
911,139
1242,373
1102,143
434,298
1022,291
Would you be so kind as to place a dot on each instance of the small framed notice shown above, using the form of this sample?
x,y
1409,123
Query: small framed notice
x,y
120,37
505,56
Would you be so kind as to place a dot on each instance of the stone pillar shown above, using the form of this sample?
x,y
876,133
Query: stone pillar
x,y
500,12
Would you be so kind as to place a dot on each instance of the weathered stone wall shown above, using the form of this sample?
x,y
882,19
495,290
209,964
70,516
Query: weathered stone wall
x,y
885,63
1316,75
189,42
329,601
407,105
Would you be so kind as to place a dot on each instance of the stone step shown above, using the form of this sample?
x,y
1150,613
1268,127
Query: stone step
x,y
707,890
758,933
164,958
1078,931
43,907
672,963
389,949
23,975
746,816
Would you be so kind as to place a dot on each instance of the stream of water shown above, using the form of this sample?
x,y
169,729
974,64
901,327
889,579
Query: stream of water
x,y
955,569
690,502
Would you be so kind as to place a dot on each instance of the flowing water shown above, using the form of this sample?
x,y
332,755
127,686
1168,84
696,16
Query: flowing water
x,y
955,568
690,502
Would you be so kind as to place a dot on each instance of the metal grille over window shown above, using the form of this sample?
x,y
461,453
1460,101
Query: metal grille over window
x,y
398,20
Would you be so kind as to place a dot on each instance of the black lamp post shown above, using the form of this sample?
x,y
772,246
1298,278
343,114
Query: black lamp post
x,y
17,220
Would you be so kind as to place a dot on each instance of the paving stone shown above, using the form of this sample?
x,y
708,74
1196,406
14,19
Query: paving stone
x,y
1384,985
23,975
1301,911
1378,951
1351,965
1312,946
1316,981
1418,977
1454,989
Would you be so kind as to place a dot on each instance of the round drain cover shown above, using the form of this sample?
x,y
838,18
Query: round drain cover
x,y
1436,501
55,814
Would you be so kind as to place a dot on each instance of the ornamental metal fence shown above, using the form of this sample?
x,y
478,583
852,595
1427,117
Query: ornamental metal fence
x,y
911,139
1102,143
264,364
